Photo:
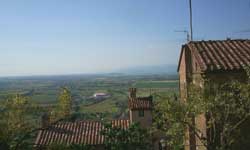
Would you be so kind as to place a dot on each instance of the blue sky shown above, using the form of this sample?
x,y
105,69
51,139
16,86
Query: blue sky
x,y
40,37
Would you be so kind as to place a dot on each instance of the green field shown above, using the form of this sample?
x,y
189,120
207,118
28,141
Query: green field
x,y
44,90
157,84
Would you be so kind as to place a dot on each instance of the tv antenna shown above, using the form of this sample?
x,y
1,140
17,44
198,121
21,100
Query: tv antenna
x,y
186,32
243,31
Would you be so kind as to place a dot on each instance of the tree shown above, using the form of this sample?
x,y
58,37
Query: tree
x,y
117,138
18,124
169,116
226,108
16,120
65,103
227,111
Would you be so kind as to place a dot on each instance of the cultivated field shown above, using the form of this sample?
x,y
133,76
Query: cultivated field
x,y
44,90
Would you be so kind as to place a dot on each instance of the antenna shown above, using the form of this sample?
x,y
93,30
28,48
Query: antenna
x,y
191,20
186,32
243,31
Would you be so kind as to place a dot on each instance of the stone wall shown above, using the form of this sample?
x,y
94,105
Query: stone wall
x,y
218,78
145,121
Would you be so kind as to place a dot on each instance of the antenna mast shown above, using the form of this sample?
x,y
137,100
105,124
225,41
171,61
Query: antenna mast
x,y
191,20
186,32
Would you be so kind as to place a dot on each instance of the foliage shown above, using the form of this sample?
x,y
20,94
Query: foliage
x,y
15,122
69,147
227,110
135,137
65,103
169,115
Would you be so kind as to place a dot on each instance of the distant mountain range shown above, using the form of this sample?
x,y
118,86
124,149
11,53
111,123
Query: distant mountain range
x,y
138,70
145,70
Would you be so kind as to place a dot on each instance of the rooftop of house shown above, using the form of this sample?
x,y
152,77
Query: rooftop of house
x,y
219,55
136,103
87,132
80,132
140,103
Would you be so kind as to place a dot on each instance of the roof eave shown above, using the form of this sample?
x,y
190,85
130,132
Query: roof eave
x,y
179,62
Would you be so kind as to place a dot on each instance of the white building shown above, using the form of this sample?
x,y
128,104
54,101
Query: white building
x,y
101,95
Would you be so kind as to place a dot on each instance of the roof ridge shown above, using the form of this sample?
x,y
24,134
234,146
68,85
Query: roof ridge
x,y
219,40
228,54
81,132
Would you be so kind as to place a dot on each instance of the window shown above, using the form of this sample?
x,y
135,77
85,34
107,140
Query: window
x,y
141,113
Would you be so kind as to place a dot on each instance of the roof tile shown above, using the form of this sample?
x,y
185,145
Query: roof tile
x,y
221,55
140,103
81,132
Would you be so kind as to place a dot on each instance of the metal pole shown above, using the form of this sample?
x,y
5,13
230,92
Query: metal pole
x,y
191,20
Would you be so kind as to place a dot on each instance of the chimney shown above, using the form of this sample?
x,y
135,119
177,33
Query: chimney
x,y
45,120
132,92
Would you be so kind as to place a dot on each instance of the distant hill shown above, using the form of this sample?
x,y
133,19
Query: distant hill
x,y
148,70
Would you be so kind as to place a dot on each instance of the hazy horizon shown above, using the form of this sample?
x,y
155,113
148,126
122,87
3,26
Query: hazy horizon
x,y
92,36
135,70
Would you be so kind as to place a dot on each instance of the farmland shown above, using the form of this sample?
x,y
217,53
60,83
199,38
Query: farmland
x,y
44,90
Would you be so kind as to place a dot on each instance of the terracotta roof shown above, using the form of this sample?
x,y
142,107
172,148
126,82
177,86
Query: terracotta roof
x,y
226,55
81,132
140,103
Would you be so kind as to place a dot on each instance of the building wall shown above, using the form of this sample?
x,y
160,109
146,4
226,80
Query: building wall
x,y
190,73
222,77
218,78
145,122
183,92
188,67
182,76
200,122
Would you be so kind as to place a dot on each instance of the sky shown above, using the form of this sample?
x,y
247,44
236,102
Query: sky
x,y
43,37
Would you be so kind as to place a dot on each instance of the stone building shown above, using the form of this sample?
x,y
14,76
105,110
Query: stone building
x,y
140,109
217,61
88,132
